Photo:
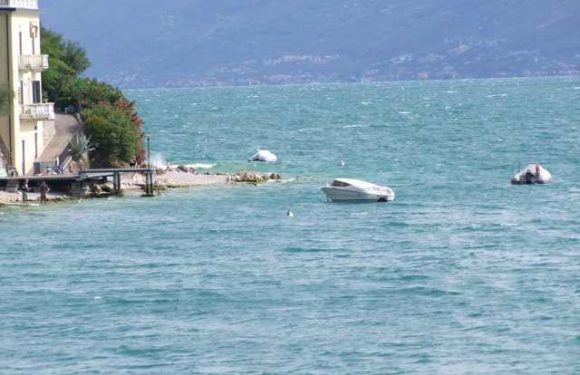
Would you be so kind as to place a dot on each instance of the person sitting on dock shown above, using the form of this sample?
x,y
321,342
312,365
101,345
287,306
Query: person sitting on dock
x,y
24,187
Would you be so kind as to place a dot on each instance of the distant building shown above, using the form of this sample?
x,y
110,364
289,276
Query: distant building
x,y
21,65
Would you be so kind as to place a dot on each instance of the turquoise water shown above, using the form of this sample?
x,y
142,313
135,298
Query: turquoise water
x,y
462,274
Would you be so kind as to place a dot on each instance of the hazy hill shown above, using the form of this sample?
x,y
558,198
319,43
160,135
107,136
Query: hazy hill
x,y
197,42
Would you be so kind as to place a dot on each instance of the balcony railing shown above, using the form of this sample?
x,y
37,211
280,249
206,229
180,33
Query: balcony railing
x,y
33,62
42,111
19,4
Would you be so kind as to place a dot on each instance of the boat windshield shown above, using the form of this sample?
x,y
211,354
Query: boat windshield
x,y
339,184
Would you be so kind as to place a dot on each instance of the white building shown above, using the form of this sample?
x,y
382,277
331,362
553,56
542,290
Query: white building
x,y
21,66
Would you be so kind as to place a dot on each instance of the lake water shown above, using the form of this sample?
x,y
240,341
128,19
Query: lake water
x,y
462,274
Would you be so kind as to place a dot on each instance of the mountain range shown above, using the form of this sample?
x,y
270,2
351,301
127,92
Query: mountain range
x,y
177,43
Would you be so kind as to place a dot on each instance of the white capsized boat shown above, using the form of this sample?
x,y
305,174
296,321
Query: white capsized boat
x,y
346,189
264,156
532,174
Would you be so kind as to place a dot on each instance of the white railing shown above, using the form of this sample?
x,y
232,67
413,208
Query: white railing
x,y
41,111
33,62
21,4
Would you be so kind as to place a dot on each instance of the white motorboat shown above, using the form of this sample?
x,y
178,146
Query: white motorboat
x,y
264,156
532,174
345,189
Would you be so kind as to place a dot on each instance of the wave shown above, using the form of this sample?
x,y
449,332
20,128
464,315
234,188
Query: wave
x,y
201,165
355,126
194,165
161,162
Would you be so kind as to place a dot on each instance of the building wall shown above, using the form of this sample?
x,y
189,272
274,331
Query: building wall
x,y
22,135
4,66
20,35
25,40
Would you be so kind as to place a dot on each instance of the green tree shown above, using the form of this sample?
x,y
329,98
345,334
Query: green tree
x,y
114,135
88,92
75,57
67,61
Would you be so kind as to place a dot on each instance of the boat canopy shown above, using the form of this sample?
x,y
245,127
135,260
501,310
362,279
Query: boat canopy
x,y
344,182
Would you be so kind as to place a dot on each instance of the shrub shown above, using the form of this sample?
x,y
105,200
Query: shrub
x,y
79,148
113,134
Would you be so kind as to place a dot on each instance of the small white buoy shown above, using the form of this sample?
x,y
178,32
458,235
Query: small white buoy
x,y
289,213
341,164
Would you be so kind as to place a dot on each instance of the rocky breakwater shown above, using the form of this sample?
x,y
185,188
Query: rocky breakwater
x,y
18,198
255,177
185,177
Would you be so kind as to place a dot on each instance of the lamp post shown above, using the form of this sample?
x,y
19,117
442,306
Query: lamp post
x,y
149,172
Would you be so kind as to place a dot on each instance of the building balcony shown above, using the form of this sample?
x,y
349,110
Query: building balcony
x,y
35,63
19,4
38,112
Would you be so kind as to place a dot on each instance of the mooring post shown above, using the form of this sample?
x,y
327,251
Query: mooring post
x,y
149,183
118,183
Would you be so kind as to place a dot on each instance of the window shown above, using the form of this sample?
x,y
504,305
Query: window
x,y
23,157
33,36
21,93
36,92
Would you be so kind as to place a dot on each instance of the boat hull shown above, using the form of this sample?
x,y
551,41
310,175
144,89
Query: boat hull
x,y
530,176
351,195
264,156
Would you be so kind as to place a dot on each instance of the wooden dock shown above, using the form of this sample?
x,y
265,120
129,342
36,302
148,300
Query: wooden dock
x,y
71,183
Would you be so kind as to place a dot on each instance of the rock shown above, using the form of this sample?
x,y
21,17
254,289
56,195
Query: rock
x,y
107,188
182,168
253,177
96,189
